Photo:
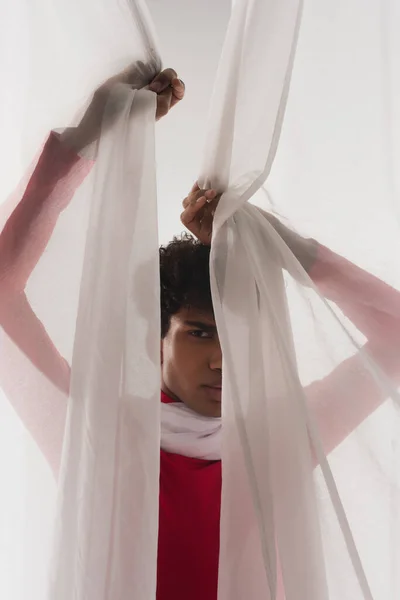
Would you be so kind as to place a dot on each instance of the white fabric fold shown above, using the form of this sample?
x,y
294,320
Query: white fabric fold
x,y
110,467
185,432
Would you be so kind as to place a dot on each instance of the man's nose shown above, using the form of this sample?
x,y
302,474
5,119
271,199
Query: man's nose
x,y
216,358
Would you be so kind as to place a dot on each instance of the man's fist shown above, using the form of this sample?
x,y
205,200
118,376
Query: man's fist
x,y
198,215
169,89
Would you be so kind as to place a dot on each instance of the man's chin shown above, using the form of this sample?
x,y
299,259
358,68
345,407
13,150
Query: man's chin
x,y
211,408
214,411
206,407
213,397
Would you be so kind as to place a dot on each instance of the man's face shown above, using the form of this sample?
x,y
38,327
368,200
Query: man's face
x,y
192,362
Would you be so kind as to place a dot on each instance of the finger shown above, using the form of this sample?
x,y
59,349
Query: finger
x,y
178,87
196,193
162,81
178,91
208,219
195,187
193,197
191,216
206,223
212,204
163,103
210,195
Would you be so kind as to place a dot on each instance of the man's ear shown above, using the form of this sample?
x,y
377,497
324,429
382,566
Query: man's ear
x,y
161,351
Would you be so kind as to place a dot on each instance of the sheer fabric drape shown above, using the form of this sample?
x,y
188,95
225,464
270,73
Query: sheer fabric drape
x,y
311,373
304,122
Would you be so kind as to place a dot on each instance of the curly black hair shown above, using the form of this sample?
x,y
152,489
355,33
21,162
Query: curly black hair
x,y
184,278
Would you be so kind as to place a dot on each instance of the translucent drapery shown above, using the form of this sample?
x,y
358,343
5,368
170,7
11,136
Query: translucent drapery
x,y
311,417
311,425
48,309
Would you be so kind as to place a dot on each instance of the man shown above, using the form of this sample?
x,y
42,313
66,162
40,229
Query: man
x,y
191,357
192,374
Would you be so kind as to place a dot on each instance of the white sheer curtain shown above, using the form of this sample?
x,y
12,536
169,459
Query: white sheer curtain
x,y
305,103
77,302
311,417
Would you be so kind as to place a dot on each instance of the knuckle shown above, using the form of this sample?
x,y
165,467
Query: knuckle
x,y
170,73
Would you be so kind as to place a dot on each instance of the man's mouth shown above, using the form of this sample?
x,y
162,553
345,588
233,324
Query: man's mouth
x,y
214,391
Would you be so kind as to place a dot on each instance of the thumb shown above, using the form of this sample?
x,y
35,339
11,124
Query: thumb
x,y
164,100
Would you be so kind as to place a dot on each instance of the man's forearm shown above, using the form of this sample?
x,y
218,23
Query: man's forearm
x,y
372,305
304,249
57,175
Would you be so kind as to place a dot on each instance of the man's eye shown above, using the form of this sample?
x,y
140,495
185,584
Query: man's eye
x,y
199,333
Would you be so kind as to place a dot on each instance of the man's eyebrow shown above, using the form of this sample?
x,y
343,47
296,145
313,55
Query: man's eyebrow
x,y
202,325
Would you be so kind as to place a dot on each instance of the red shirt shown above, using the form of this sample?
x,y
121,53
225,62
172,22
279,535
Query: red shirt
x,y
188,540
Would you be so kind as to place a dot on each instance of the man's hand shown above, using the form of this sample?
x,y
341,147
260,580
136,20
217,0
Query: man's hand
x,y
169,89
198,215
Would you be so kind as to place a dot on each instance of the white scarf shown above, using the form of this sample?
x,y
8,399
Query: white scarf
x,y
185,432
